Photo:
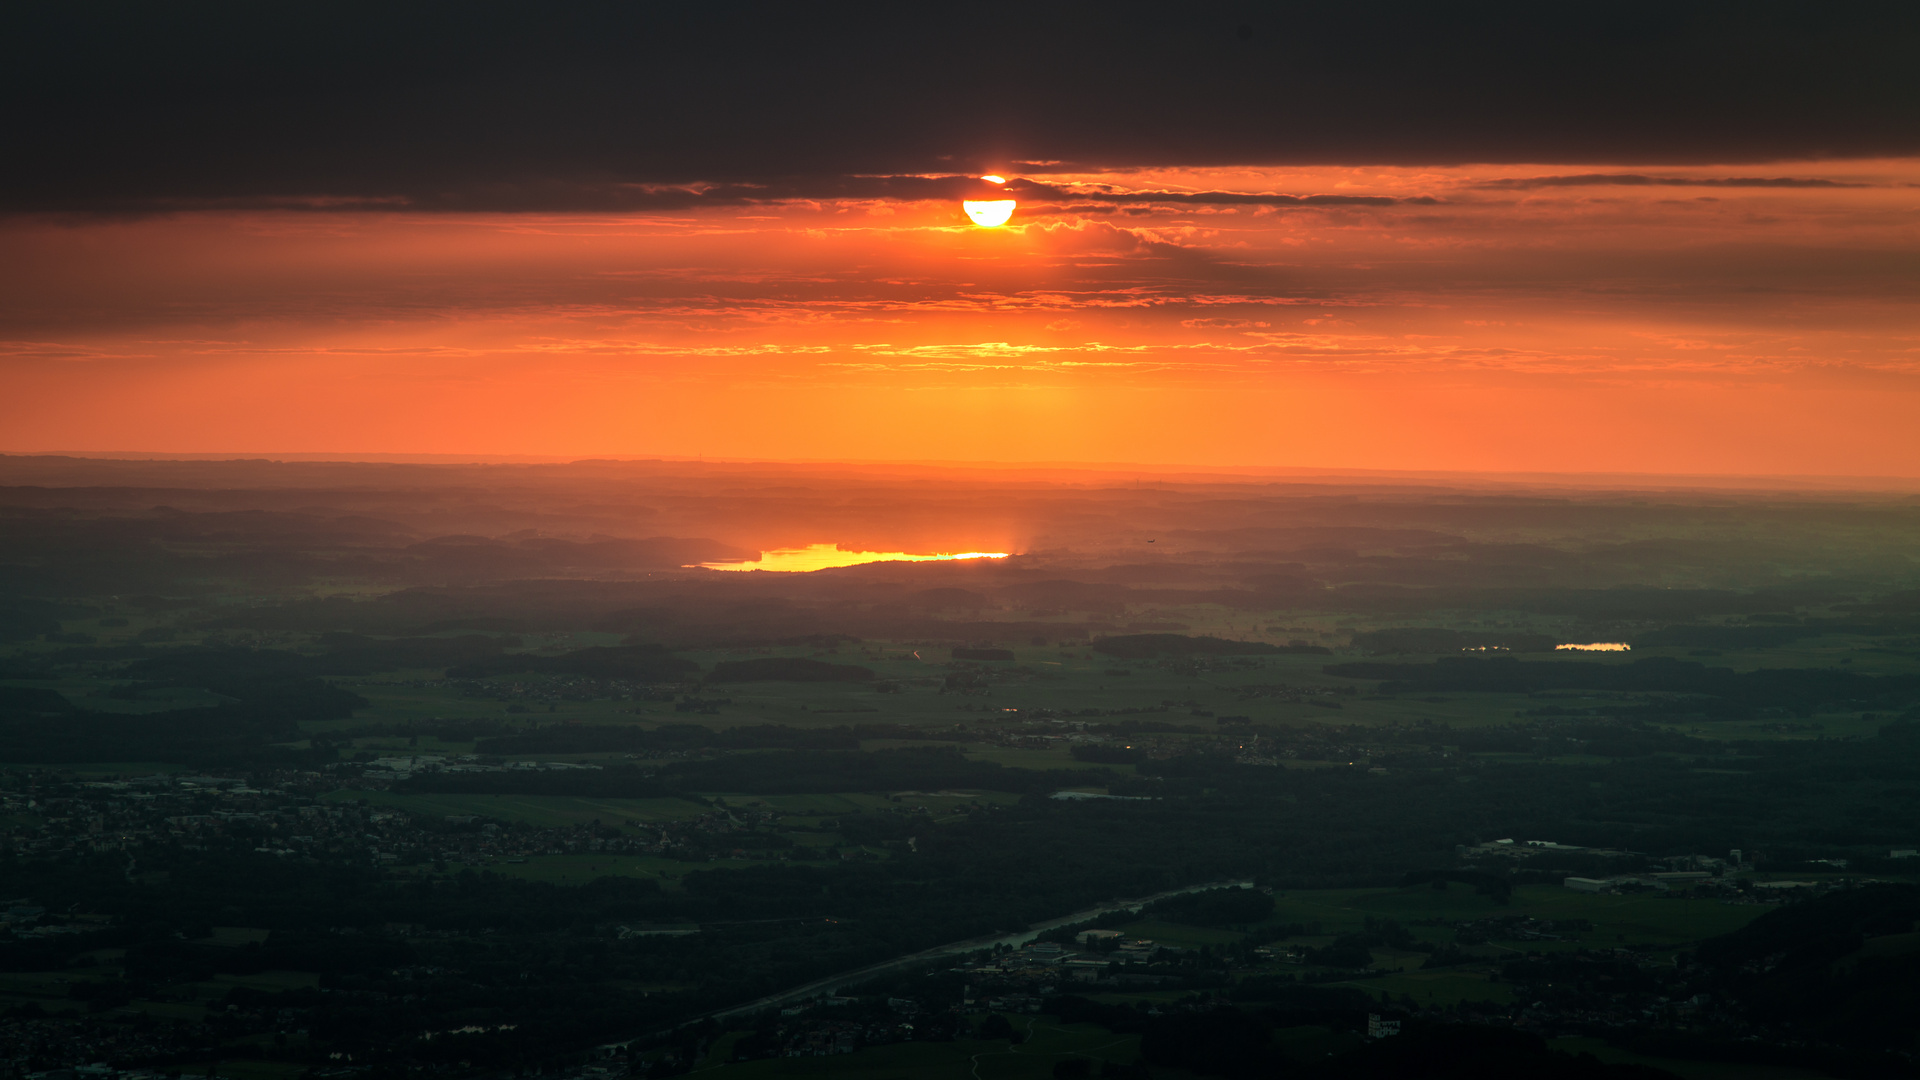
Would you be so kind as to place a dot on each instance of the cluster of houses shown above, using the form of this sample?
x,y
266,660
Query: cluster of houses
x,y
400,768
1695,873
283,818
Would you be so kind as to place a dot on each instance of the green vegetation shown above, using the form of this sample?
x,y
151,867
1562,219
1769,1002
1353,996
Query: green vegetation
x,y
462,786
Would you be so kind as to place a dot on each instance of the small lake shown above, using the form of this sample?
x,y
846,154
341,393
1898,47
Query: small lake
x,y
827,556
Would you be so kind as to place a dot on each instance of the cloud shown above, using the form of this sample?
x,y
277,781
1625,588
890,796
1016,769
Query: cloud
x,y
1031,189
52,350
1527,183
124,106
1224,324
599,195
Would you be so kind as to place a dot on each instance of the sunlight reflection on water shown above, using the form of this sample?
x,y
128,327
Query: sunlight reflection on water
x,y
828,556
1599,646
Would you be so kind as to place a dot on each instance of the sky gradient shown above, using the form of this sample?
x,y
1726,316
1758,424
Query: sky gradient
x,y
1607,296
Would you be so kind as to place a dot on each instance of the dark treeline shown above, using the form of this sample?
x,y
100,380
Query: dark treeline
x,y
1342,826
358,654
1148,646
264,697
208,666
1791,797
777,772
23,618
640,663
628,738
1625,603
208,737
1424,639
1214,907
631,738
1798,690
263,679
787,669
1802,969
1237,1043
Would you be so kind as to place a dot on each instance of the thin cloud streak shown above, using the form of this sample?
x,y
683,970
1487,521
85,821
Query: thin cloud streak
x,y
1528,183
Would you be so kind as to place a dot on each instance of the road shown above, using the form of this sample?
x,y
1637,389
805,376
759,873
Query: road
x,y
826,986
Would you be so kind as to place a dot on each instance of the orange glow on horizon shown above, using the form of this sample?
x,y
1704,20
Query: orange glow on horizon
x,y
1513,318
830,556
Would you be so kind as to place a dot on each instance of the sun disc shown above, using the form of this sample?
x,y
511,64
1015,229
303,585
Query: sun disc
x,y
988,212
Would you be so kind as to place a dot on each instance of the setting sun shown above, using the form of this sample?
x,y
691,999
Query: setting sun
x,y
989,212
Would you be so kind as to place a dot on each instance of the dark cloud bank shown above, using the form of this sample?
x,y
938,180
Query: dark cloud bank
x,y
488,105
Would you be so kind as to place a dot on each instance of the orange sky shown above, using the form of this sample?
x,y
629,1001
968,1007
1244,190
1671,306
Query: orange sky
x,y
1499,322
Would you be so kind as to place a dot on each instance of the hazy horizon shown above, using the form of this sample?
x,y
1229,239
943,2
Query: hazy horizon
x,y
1587,479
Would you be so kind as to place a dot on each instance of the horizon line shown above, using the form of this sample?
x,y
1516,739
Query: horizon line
x,y
1161,470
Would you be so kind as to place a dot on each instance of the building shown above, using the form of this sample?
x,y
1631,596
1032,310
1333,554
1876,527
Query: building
x,y
1085,970
1674,877
1628,882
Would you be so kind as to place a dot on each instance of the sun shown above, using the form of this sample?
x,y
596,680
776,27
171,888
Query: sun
x,y
989,213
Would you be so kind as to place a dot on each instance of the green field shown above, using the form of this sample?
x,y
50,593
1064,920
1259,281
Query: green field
x,y
245,1069
565,810
1043,677
269,981
1184,937
1050,758
1050,677
1687,1070
47,988
580,869
1434,987
1617,919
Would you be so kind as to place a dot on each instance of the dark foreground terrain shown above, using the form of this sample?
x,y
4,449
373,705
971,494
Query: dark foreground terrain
x,y
395,770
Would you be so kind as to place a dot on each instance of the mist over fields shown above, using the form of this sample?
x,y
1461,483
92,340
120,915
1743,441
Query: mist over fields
x,y
429,764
